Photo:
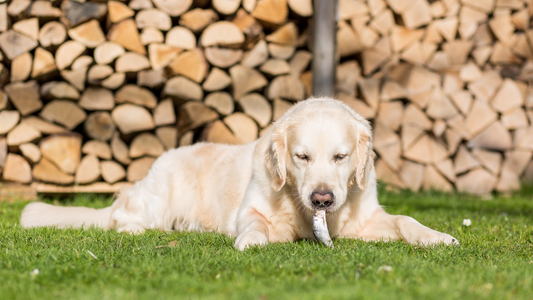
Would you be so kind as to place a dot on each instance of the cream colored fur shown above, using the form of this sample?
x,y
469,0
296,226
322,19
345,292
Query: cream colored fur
x,y
259,192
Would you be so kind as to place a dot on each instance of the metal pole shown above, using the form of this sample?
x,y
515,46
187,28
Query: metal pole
x,y
324,42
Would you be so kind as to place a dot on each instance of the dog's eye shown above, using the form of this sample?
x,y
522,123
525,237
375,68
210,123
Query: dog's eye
x,y
303,157
339,157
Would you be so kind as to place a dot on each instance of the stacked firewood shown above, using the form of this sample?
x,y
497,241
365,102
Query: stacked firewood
x,y
93,92
448,84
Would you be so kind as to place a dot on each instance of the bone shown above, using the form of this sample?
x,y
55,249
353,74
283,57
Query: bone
x,y
320,228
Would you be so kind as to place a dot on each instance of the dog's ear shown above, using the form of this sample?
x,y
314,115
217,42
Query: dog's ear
x,y
365,155
275,157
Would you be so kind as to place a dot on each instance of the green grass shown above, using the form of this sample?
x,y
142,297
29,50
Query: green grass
x,y
494,261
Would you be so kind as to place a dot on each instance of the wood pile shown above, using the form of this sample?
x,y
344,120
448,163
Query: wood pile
x,y
92,92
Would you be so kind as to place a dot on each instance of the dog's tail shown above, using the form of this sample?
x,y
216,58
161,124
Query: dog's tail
x,y
40,214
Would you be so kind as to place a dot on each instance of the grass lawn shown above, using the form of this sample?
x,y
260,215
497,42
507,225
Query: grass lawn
x,y
494,261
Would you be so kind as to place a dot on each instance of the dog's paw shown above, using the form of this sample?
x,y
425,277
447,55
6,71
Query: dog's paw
x,y
131,229
250,238
439,238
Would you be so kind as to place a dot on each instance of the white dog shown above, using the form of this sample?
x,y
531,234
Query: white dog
x,y
317,155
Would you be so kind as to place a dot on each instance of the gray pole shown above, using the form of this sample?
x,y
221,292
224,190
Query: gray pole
x,y
324,42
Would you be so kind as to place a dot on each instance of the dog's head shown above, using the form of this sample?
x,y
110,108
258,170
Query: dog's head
x,y
320,148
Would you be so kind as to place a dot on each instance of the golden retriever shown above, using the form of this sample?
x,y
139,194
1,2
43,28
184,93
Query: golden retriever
x,y
317,155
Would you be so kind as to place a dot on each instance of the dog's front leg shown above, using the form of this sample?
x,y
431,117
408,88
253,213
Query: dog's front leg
x,y
390,227
252,229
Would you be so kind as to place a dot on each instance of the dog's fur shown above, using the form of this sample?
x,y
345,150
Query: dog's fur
x,y
260,192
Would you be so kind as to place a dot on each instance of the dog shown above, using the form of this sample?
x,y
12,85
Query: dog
x,y
318,155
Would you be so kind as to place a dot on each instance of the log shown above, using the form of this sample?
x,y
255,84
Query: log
x,y
183,88
112,171
222,33
99,126
76,78
52,34
216,80
186,139
508,97
426,150
67,53
98,73
464,161
89,34
16,8
131,62
494,137
63,150
226,7
480,116
197,19
275,67
490,160
151,35
300,61
153,18
30,152
222,102
191,64
181,37
22,133
415,117
285,35
253,31
223,57
46,171
97,99
82,63
28,27
131,93
14,44
76,13
168,136
164,113
42,125
97,148
21,67
140,4
256,56
245,80
390,154
161,55
271,12
3,100
88,171
435,181
107,52
303,8
281,51
114,81
280,107
446,168
257,107
132,118
173,8
146,144
16,169
59,90
120,150
151,78
217,132
24,96
477,181
8,120
118,11
64,112
286,87
193,115
388,176
126,34
514,119
390,114
412,175
138,169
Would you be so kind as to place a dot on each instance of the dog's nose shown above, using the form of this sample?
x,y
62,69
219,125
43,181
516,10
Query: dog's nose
x,y
322,198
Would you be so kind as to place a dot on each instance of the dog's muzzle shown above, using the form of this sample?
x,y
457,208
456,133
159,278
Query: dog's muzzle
x,y
322,199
